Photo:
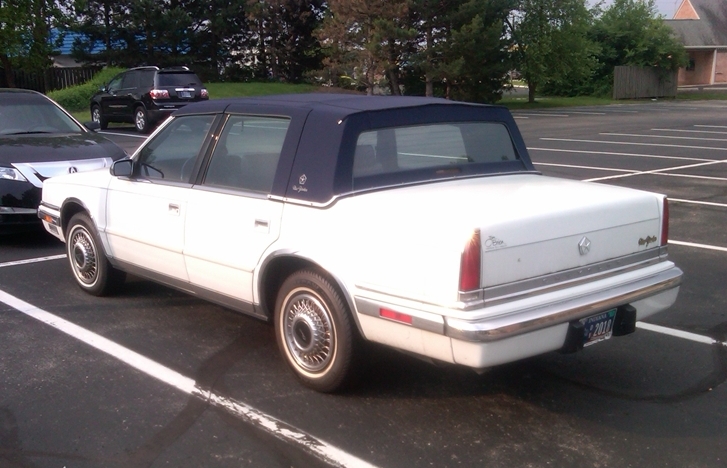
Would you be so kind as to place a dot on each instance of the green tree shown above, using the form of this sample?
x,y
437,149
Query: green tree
x,y
25,27
282,41
476,63
631,32
551,42
366,39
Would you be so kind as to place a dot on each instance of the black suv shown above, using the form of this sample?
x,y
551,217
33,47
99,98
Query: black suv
x,y
145,96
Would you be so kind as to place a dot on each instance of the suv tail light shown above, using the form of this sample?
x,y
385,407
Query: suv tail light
x,y
203,92
159,94
471,264
665,223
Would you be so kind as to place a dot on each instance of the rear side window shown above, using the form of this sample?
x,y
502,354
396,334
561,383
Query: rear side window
x,y
247,153
441,145
131,80
178,79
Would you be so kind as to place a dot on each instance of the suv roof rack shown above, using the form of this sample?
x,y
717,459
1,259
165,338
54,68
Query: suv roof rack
x,y
178,68
145,68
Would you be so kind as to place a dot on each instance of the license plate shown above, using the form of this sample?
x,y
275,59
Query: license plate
x,y
598,327
185,94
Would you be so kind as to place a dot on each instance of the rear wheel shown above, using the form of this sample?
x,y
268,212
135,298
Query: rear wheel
x,y
97,117
315,331
89,265
141,120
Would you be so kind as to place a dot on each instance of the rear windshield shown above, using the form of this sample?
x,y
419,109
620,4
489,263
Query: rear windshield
x,y
434,146
178,79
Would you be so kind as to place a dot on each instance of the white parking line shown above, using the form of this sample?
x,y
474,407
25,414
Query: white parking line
x,y
125,134
586,113
595,168
711,126
679,333
31,260
695,202
539,114
699,246
686,131
573,140
662,136
637,155
277,428
655,172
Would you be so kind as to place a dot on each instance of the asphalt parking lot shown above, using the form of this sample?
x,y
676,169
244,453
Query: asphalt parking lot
x,y
153,377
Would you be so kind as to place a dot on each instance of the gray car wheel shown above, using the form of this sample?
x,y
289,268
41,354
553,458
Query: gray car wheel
x,y
315,332
141,120
89,265
97,117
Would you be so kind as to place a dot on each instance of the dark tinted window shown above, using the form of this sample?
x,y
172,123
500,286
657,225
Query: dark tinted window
x,y
115,83
146,78
246,156
29,114
178,79
172,152
131,80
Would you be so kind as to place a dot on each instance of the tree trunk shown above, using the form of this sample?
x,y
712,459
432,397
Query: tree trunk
x,y
531,92
8,67
392,71
429,82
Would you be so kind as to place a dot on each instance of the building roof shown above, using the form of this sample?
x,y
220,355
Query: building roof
x,y
701,23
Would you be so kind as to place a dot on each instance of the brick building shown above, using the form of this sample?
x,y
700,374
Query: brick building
x,y
702,27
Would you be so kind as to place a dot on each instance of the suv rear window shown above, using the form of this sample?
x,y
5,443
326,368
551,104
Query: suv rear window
x,y
178,79
441,145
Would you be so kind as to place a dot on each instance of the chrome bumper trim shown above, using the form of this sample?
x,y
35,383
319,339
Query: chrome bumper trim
x,y
498,328
560,280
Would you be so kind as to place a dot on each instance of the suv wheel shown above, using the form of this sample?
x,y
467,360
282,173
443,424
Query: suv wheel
x,y
98,118
141,120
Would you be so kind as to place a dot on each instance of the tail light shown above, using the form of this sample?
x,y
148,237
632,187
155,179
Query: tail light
x,y
665,223
204,93
471,264
159,94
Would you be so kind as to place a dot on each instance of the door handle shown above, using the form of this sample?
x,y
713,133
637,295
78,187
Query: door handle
x,y
262,225
173,209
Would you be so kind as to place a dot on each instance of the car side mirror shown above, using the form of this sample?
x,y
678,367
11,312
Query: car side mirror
x,y
93,126
104,89
122,168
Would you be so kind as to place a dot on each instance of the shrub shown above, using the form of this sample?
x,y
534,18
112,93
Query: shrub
x,y
77,98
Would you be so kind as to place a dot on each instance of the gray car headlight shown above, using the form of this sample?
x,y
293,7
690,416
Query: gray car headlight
x,y
10,173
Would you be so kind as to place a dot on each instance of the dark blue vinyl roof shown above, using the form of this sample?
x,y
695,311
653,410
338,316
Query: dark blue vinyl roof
x,y
345,103
321,139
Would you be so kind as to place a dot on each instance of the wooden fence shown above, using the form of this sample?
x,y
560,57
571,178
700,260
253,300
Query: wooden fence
x,y
50,79
643,82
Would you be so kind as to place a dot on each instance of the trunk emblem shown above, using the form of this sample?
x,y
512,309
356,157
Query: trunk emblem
x,y
72,170
584,246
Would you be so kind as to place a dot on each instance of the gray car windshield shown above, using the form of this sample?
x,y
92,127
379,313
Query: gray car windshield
x,y
26,118
441,145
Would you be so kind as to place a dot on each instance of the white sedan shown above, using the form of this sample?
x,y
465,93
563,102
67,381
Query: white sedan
x,y
413,222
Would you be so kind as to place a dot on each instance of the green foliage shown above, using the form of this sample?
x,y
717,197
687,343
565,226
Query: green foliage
x,y
630,32
552,46
77,98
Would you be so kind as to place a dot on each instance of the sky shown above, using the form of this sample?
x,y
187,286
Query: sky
x,y
666,7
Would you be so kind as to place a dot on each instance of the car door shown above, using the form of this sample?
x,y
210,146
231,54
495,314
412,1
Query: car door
x,y
230,219
145,214
108,100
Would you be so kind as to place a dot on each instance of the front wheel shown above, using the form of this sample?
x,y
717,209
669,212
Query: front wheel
x,y
141,120
97,117
314,331
89,265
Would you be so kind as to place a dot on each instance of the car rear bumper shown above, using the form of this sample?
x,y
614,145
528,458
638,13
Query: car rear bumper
x,y
531,326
